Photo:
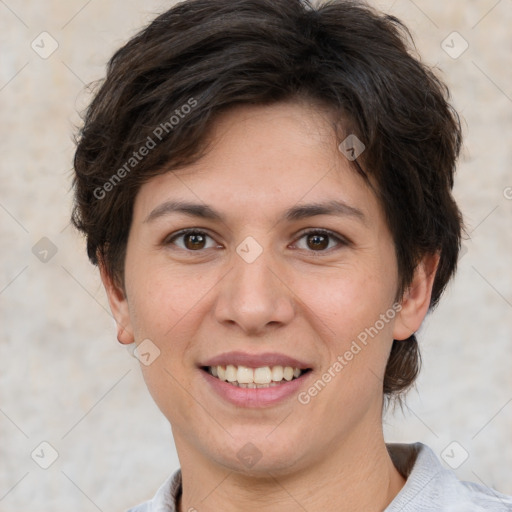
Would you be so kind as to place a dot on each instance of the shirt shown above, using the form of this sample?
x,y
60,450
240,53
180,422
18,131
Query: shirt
x,y
429,487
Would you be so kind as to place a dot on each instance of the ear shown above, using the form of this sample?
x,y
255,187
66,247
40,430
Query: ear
x,y
118,306
416,299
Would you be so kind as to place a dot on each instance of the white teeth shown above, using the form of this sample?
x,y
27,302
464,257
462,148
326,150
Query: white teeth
x,y
231,373
262,375
277,373
288,372
244,375
252,385
252,378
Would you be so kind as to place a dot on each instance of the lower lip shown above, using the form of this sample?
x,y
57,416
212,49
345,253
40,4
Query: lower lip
x,y
255,397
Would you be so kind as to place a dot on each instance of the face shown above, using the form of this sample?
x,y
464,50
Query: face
x,y
285,261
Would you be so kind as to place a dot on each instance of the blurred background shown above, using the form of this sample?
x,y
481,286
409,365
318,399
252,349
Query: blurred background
x,y
78,429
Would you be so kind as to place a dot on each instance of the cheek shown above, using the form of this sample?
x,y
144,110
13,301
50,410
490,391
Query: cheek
x,y
353,314
162,308
161,298
348,300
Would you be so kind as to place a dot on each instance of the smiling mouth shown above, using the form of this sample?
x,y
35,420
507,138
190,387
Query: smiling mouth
x,y
255,378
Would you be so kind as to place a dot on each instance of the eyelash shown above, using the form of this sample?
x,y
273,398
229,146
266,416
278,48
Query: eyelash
x,y
342,241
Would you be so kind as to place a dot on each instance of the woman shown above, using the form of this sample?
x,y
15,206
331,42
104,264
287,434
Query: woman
x,y
266,189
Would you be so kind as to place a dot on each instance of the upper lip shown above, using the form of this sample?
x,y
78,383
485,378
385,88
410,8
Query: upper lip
x,y
255,360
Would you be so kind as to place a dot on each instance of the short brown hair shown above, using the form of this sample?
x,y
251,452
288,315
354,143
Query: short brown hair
x,y
167,85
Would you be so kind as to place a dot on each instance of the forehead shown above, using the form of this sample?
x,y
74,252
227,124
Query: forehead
x,y
260,158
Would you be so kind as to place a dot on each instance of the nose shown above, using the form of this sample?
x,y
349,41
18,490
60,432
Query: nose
x,y
255,296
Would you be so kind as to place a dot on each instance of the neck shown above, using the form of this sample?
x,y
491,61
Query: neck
x,y
350,477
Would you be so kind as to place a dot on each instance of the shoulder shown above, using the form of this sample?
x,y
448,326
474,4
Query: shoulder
x,y
431,487
487,498
165,498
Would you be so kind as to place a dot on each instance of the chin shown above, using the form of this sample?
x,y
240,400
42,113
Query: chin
x,y
257,456
266,467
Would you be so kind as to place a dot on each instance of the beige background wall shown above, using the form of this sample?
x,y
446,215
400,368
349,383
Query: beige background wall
x,y
65,380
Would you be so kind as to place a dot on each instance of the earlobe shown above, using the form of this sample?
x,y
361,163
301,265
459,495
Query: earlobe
x,y
124,336
118,305
416,299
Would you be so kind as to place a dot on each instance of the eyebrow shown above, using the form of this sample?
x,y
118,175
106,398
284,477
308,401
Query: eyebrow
x,y
298,212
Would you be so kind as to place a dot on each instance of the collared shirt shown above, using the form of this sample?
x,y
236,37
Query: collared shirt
x,y
429,487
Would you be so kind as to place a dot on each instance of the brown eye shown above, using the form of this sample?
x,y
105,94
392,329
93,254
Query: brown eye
x,y
320,240
191,240
194,241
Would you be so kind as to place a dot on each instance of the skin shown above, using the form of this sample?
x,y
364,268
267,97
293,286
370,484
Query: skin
x,y
197,300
